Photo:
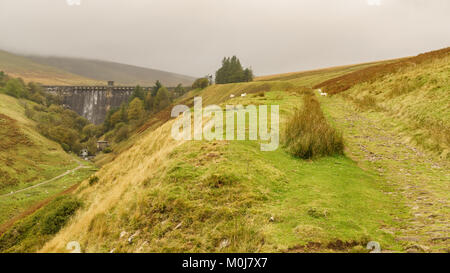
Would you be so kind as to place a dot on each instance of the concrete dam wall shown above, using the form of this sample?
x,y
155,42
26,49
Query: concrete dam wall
x,y
92,102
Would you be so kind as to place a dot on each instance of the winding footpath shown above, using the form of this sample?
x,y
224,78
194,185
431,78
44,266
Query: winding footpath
x,y
80,166
421,181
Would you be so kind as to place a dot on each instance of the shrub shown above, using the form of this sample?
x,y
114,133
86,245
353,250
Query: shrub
x,y
367,102
162,99
77,147
220,180
122,133
260,94
91,146
403,86
109,136
65,147
31,233
6,180
200,83
308,134
58,217
316,213
93,180
136,109
299,90
38,98
258,88
90,130
16,88
29,113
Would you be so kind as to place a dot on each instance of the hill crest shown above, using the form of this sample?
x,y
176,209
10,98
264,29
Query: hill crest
x,y
49,70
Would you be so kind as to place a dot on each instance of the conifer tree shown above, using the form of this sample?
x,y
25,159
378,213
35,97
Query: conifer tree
x,y
155,88
232,72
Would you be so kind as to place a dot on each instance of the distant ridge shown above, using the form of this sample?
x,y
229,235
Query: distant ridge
x,y
122,74
30,71
75,71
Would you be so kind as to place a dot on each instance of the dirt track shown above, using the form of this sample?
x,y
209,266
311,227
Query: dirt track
x,y
421,180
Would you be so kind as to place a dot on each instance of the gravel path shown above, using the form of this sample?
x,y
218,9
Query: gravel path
x,y
421,180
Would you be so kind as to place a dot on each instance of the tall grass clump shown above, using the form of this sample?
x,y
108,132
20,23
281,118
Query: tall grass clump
x,y
308,134
366,102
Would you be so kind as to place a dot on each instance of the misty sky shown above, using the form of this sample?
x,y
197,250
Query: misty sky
x,y
192,36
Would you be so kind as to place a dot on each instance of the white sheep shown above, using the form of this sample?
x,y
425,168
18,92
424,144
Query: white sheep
x,y
243,95
231,96
322,93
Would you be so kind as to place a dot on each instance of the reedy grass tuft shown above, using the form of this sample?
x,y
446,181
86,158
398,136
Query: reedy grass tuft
x,y
308,135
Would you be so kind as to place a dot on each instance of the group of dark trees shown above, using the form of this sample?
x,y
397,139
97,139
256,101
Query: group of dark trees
x,y
232,72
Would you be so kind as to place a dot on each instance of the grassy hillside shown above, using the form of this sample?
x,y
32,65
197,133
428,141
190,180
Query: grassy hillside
x,y
220,196
121,73
27,159
30,71
418,97
155,194
397,123
314,77
374,72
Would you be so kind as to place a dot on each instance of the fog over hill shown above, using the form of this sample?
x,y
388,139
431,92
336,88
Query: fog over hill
x,y
191,37
76,71
121,73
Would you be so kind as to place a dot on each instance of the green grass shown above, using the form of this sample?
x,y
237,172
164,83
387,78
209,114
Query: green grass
x,y
350,203
13,205
419,177
417,98
220,196
29,234
229,196
29,163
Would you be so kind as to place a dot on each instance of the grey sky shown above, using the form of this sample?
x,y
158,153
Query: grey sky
x,y
192,36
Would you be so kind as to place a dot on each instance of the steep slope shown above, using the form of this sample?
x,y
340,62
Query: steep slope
x,y
30,71
26,159
372,73
121,73
418,96
313,77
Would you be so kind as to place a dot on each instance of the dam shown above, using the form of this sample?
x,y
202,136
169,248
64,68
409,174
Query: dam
x,y
93,102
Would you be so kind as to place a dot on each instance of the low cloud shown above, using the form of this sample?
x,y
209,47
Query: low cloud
x,y
192,37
